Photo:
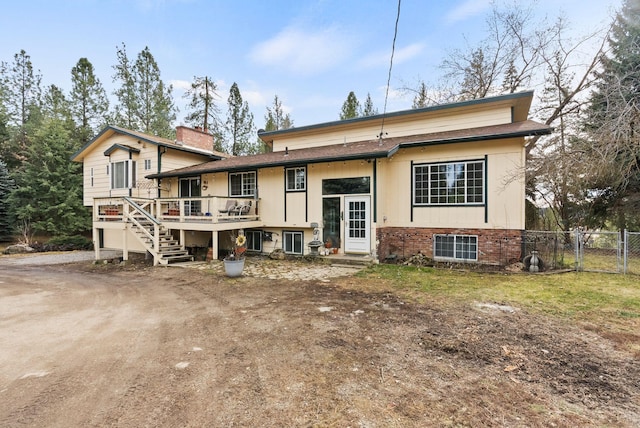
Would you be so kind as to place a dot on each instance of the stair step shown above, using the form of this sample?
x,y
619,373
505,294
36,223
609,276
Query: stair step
x,y
176,252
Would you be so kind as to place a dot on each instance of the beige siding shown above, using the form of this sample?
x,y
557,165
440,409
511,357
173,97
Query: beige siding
x,y
505,187
101,186
396,127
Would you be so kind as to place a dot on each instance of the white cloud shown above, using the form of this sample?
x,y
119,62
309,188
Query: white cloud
x,y
466,10
381,58
181,85
303,51
254,98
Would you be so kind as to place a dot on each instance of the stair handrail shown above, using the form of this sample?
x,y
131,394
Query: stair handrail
x,y
155,238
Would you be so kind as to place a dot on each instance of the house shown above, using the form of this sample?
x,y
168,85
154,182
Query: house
x,y
446,181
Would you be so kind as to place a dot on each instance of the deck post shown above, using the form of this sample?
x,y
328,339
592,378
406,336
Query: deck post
x,y
214,245
96,242
125,245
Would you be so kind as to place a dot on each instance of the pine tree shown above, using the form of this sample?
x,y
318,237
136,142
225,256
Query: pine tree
x,y
89,104
22,89
368,109
56,106
6,186
126,110
614,121
155,110
239,125
48,192
276,119
350,107
204,111
22,108
421,99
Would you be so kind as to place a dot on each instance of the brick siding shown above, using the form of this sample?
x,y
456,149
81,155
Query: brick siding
x,y
495,246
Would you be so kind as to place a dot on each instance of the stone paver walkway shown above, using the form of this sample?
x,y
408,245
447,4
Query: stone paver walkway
x,y
275,269
254,267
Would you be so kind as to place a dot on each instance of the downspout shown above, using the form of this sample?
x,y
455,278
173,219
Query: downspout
x,y
161,150
133,173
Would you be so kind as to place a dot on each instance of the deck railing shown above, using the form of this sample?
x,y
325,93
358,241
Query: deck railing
x,y
213,209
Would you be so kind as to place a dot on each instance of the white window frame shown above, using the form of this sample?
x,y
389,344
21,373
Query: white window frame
x,y
147,164
289,243
254,237
128,169
464,183
460,249
248,184
299,179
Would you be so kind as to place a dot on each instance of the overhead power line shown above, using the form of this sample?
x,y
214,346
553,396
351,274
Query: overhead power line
x,y
393,49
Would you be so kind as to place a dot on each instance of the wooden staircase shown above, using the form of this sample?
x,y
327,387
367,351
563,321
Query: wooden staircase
x,y
144,227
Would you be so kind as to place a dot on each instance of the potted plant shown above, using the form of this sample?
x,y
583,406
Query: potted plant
x,y
234,262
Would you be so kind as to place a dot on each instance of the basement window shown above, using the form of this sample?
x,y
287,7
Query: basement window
x,y
292,242
455,247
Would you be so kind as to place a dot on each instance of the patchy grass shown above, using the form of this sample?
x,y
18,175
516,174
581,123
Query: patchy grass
x,y
605,301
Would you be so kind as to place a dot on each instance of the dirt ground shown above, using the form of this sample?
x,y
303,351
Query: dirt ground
x,y
87,346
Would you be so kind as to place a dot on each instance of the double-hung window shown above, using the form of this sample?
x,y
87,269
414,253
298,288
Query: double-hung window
x,y
456,247
296,179
450,183
123,174
242,184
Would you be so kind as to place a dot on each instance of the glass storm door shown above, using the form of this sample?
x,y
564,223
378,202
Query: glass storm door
x,y
356,224
190,188
331,221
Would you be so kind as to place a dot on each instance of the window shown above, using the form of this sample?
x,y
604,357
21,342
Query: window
x,y
346,186
91,177
242,184
454,183
147,164
456,247
254,240
292,242
296,179
123,174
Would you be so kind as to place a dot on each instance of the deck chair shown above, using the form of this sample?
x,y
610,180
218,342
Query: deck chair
x,y
230,207
242,209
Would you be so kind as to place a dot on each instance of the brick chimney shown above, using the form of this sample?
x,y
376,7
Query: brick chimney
x,y
194,137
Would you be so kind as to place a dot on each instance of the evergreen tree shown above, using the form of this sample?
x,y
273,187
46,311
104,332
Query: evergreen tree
x,y
421,99
6,186
368,109
614,123
350,108
48,193
125,114
239,125
56,106
155,109
276,119
22,108
22,89
204,111
89,104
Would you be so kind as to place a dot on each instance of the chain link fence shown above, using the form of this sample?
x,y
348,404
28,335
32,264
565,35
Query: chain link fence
x,y
632,252
583,250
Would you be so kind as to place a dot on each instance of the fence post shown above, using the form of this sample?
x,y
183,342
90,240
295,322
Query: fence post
x,y
625,254
577,247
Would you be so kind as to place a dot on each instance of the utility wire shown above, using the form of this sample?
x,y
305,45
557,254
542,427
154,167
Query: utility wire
x,y
386,95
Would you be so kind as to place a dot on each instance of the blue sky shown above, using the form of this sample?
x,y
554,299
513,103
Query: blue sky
x,y
309,53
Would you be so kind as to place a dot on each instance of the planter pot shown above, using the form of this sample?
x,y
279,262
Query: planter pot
x,y
234,268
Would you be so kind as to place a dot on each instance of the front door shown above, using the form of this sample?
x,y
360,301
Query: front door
x,y
356,225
